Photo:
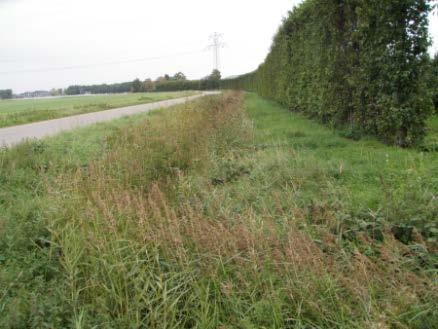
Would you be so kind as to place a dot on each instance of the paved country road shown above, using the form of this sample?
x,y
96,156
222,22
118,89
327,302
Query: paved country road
x,y
13,135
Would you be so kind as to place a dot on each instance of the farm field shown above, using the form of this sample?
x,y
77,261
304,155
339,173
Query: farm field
x,y
226,212
21,111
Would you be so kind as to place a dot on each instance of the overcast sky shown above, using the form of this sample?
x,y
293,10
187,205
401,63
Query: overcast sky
x,y
56,43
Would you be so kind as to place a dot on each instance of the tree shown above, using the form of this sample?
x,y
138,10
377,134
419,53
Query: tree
x,y
6,94
55,92
73,90
148,85
215,75
137,86
179,76
212,81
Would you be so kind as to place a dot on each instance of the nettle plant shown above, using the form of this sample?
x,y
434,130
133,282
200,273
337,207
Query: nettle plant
x,y
356,64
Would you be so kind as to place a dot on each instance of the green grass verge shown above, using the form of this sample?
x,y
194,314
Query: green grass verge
x,y
21,111
208,216
370,179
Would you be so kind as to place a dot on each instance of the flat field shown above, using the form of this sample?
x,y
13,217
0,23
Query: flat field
x,y
228,212
20,111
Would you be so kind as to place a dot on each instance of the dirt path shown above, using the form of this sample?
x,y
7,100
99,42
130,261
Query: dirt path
x,y
13,135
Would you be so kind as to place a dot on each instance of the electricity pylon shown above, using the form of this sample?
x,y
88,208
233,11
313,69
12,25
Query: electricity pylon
x,y
216,44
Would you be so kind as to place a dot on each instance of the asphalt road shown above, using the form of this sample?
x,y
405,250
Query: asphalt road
x,y
14,135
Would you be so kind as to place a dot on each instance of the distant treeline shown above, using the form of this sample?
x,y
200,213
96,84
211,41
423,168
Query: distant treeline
x,y
356,64
99,89
164,83
6,94
206,84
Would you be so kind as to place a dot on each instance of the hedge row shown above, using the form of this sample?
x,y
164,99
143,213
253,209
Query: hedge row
x,y
178,85
433,81
358,64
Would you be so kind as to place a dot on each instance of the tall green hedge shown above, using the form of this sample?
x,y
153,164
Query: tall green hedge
x,y
358,64
433,81
205,84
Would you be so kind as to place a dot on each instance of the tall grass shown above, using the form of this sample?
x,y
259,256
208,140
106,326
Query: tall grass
x,y
203,217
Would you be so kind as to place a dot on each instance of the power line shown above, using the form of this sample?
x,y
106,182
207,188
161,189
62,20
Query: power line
x,y
216,39
73,67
